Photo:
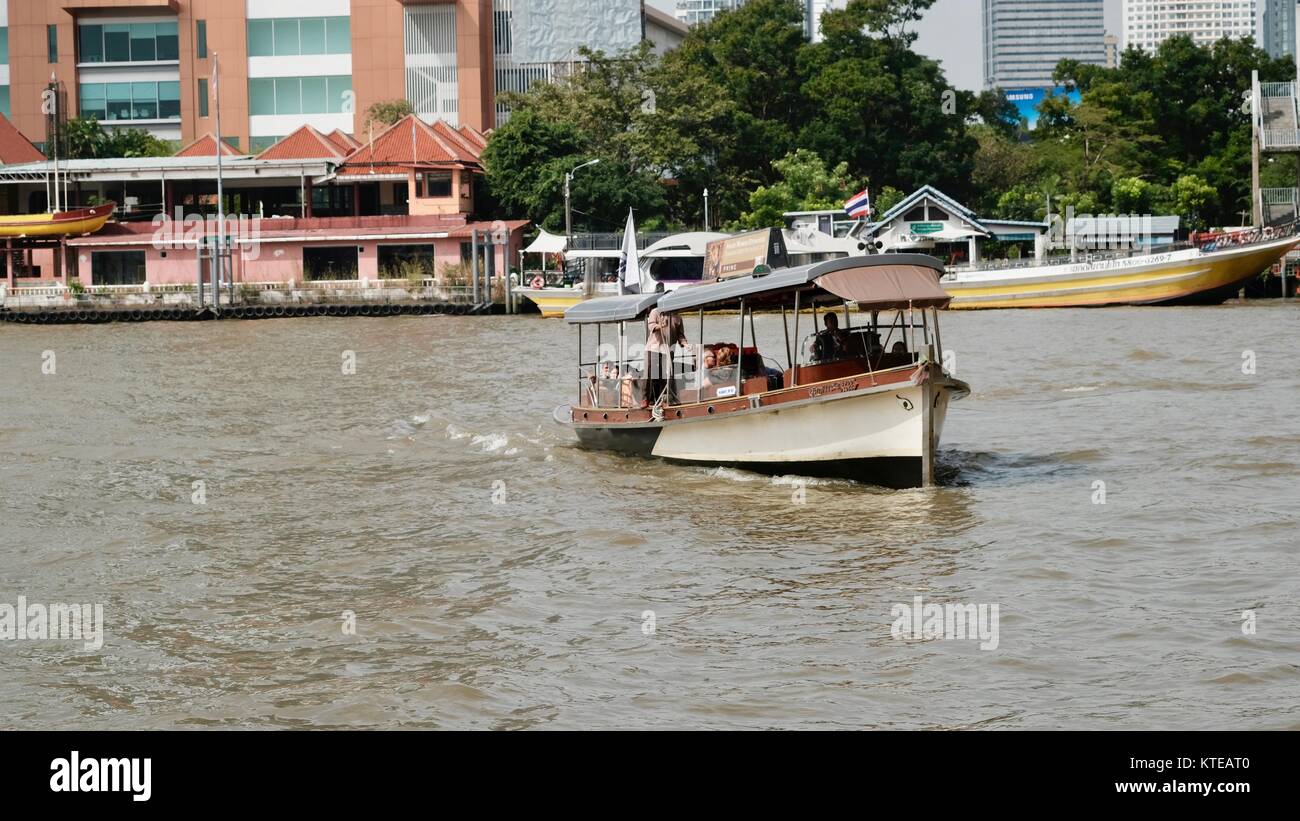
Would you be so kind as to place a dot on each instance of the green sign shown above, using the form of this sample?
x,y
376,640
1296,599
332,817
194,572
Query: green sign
x,y
926,227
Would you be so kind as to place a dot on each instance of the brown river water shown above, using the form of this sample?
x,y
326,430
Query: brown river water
x,y
501,578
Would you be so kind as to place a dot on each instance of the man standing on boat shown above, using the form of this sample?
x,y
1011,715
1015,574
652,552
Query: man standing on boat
x,y
663,333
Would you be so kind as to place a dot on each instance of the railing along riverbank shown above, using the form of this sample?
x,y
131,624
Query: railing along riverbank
x,y
56,302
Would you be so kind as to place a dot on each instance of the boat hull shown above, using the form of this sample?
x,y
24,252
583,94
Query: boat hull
x,y
552,302
63,223
1180,277
877,435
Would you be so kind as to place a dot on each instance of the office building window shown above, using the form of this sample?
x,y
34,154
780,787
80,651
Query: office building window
x,y
294,36
130,101
4,101
127,43
4,45
299,95
52,43
201,38
203,98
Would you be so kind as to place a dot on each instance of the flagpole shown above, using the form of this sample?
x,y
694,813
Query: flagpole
x,y
221,209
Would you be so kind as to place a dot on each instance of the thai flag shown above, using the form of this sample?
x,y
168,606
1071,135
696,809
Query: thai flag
x,y
860,204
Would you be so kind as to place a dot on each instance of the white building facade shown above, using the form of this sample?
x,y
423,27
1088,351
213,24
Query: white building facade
x,y
1148,23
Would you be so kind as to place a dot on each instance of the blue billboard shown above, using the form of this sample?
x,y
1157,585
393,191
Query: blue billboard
x,y
1027,100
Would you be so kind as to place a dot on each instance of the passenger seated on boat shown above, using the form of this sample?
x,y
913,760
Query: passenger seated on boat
x,y
707,363
831,344
897,357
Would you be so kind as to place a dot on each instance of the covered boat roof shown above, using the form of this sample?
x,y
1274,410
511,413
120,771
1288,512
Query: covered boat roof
x,y
611,309
878,281
691,243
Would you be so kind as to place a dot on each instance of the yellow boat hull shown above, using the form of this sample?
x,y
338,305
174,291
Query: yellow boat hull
x,y
1178,276
63,223
553,302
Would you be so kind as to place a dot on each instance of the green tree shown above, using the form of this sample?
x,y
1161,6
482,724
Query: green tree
x,y
885,110
86,139
887,198
384,113
804,184
1131,195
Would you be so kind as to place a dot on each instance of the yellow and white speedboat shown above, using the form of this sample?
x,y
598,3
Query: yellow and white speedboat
x,y
1208,273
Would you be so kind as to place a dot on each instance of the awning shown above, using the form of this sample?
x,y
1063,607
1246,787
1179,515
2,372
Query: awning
x,y
887,286
611,309
875,281
546,244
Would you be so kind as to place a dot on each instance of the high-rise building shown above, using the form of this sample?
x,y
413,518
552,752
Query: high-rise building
x,y
693,12
1148,23
1112,51
148,63
1025,39
813,10
1279,28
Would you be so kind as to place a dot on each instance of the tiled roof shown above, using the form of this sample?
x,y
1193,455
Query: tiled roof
x,y
306,143
411,141
474,135
343,140
14,147
206,146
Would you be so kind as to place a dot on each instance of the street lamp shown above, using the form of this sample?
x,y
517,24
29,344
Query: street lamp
x,y
568,212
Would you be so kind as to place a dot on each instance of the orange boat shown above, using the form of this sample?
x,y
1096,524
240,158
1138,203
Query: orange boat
x,y
62,223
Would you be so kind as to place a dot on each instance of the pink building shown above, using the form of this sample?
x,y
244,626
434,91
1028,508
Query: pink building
x,y
312,207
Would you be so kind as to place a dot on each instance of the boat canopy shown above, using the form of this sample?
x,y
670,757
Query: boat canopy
x,y
875,282
611,309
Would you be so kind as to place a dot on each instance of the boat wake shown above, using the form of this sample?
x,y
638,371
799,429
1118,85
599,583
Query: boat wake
x,y
966,468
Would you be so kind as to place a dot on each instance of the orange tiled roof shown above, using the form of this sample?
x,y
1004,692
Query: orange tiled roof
x,y
206,146
434,145
474,135
343,140
306,143
14,147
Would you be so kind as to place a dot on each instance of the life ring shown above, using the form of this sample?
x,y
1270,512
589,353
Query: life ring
x,y
537,283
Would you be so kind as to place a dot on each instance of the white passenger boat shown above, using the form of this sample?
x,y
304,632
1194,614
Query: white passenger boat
x,y
865,400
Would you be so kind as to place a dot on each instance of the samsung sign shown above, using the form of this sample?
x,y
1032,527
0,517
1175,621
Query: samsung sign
x,y
1027,100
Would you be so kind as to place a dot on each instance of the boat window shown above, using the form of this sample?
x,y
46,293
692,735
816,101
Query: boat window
x,y
676,269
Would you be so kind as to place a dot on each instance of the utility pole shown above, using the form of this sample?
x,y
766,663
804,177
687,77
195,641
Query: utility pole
x,y
220,261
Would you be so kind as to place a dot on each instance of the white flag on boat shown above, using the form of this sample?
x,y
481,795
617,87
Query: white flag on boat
x,y
859,205
629,262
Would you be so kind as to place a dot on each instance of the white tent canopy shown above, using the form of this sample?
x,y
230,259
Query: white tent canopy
x,y
546,244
